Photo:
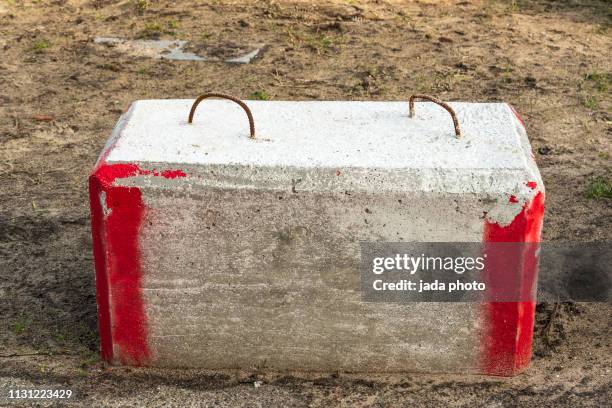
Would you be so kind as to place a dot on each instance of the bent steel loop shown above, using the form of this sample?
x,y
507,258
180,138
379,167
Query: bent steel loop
x,y
224,96
439,102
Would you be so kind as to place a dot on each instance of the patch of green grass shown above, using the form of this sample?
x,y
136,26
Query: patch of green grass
x,y
291,37
142,5
422,83
19,326
515,6
601,81
89,361
599,189
171,25
81,373
319,43
260,95
591,102
41,45
153,29
602,29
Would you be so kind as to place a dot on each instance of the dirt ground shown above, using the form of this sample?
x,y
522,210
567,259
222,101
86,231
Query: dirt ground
x,y
61,94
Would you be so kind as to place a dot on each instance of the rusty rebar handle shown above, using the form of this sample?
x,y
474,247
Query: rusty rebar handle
x,y
442,104
224,96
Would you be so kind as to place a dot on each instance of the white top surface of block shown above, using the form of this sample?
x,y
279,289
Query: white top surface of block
x,y
377,135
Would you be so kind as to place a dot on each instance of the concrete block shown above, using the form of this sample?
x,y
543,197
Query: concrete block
x,y
215,250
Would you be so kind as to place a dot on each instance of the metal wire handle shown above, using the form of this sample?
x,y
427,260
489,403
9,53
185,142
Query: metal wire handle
x,y
224,96
439,102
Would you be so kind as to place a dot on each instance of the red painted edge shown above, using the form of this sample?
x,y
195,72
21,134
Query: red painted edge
x,y
99,251
517,115
116,225
508,331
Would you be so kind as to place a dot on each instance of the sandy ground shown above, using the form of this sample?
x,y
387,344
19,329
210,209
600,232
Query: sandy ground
x,y
61,94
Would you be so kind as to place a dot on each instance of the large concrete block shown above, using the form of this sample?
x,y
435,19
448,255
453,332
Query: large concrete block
x,y
216,250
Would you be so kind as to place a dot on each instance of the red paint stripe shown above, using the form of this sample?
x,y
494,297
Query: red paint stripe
x,y
99,252
116,236
508,330
172,174
125,274
517,115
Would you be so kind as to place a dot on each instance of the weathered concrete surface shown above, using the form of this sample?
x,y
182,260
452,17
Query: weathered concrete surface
x,y
214,250
169,49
